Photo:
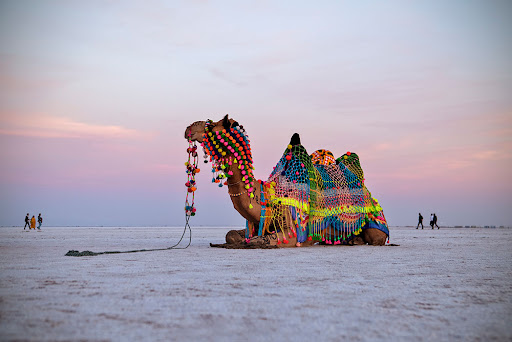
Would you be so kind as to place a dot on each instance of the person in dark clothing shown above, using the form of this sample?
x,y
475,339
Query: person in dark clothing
x,y
434,221
420,221
40,221
27,222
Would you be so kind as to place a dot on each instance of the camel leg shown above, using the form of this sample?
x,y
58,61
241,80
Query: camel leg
x,y
357,240
276,239
373,236
235,236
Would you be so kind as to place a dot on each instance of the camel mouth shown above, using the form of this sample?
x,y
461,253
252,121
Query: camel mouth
x,y
188,133
195,131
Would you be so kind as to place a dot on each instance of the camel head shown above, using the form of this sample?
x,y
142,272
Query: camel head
x,y
196,131
228,146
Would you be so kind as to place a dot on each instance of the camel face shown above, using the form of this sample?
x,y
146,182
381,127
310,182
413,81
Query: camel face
x,y
195,131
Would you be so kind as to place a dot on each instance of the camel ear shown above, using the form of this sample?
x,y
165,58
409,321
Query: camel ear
x,y
225,122
295,140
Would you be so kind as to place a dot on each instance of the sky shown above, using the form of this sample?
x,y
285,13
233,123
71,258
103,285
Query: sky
x,y
95,97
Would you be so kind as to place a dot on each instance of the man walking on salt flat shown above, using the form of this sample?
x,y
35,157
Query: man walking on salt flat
x,y
420,221
27,222
434,221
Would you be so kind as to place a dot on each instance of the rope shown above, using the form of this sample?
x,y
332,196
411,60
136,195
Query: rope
x,y
192,170
89,253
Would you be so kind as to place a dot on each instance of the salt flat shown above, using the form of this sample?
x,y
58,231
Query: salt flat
x,y
438,285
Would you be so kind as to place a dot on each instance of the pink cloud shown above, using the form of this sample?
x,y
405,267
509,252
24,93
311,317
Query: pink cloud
x,y
46,126
488,155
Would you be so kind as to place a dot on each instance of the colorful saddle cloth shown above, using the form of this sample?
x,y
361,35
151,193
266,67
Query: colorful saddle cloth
x,y
324,198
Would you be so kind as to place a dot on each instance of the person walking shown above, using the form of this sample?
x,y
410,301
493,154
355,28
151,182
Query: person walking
x,y
434,221
27,222
40,221
33,222
420,221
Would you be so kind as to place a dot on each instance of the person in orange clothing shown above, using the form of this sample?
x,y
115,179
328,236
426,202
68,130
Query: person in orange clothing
x,y
33,222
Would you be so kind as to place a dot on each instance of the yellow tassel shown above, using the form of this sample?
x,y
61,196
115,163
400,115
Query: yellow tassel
x,y
250,206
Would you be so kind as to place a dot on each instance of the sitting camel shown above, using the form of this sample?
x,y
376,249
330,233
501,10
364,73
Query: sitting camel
x,y
307,199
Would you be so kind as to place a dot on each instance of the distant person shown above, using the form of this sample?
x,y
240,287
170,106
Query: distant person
x,y
33,222
27,222
40,221
434,221
420,221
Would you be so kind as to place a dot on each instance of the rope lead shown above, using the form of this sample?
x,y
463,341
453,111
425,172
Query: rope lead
x,y
89,253
190,210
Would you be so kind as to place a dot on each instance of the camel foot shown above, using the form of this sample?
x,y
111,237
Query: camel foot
x,y
357,241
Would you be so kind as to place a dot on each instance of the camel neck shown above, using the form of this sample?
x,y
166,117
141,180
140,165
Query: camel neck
x,y
236,186
248,207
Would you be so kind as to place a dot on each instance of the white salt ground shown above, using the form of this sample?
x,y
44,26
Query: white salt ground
x,y
438,285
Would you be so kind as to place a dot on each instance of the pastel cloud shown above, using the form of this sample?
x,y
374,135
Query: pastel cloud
x,y
47,126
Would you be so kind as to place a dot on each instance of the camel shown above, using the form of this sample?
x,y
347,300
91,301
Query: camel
x,y
234,164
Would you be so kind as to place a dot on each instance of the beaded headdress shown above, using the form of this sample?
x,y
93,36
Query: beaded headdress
x,y
227,147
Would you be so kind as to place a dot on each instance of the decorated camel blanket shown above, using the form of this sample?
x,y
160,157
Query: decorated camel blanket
x,y
325,198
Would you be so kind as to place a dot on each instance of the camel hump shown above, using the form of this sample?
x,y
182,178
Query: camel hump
x,y
295,140
322,157
351,162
